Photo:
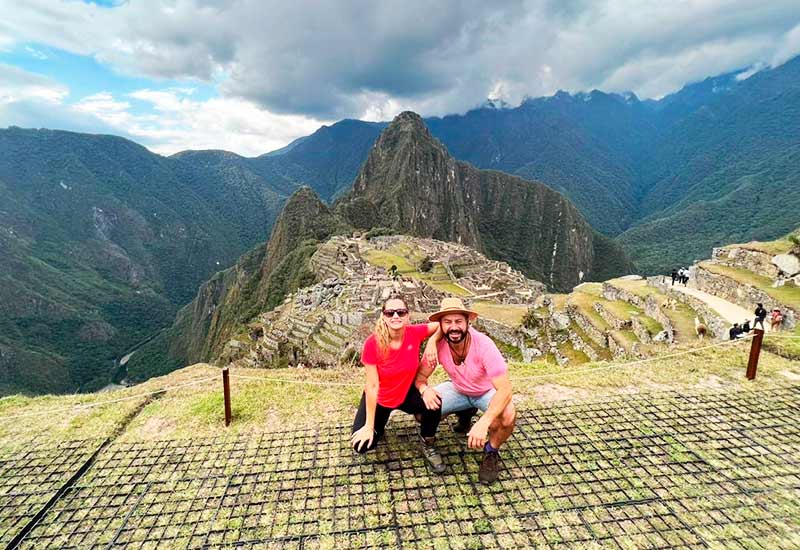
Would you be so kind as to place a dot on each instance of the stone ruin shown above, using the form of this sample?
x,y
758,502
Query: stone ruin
x,y
326,324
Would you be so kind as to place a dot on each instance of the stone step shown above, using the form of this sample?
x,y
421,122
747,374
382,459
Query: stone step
x,y
320,343
334,337
597,335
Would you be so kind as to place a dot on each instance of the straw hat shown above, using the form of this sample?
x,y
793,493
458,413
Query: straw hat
x,y
452,305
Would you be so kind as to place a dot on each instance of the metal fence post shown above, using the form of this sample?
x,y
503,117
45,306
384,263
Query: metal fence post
x,y
226,393
755,351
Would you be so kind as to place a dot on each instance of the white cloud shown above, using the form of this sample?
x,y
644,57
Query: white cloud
x,y
371,59
17,85
174,122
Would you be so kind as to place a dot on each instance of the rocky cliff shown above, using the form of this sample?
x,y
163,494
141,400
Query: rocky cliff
x,y
412,185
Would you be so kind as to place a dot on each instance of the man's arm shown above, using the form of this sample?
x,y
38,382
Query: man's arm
x,y
479,433
431,353
430,396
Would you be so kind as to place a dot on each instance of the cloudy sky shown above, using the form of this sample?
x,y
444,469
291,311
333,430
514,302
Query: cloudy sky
x,y
251,75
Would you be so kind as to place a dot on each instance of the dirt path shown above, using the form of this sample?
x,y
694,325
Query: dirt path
x,y
727,310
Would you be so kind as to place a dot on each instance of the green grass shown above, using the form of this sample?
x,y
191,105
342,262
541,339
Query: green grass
x,y
576,357
584,302
788,295
780,246
682,319
508,314
405,267
785,347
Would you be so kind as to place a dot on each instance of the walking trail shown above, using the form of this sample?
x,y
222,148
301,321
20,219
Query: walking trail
x,y
731,312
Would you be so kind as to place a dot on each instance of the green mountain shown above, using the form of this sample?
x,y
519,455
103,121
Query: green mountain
x,y
259,281
671,178
411,184
102,241
728,172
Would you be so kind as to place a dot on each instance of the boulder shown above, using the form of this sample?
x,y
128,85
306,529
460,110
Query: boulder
x,y
788,263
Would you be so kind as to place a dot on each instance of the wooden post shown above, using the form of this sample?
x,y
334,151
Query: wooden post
x,y
755,351
226,393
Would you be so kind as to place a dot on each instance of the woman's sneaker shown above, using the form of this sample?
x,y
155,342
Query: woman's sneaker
x,y
432,456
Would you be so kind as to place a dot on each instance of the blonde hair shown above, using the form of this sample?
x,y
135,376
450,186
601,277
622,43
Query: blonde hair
x,y
381,332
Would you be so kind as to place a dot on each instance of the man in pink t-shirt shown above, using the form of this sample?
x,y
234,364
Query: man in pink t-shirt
x,y
478,380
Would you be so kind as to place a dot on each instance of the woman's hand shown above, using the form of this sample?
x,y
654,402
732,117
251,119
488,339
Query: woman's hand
x,y
362,438
431,354
431,398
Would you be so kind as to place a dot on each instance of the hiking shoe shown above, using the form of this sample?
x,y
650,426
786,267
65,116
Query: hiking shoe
x,y
464,420
490,468
432,456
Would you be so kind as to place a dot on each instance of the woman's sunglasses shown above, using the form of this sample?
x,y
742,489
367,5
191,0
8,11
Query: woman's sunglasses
x,y
389,313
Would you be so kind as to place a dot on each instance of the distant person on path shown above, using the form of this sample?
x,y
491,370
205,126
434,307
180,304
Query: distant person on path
x,y
746,326
674,276
760,314
684,275
776,320
478,380
735,332
391,358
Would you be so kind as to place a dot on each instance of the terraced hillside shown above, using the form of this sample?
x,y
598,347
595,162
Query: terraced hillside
x,y
325,324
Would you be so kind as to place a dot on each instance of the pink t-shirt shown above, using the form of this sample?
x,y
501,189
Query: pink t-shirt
x,y
398,369
484,362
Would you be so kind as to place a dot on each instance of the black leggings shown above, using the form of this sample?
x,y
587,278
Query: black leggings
x,y
412,404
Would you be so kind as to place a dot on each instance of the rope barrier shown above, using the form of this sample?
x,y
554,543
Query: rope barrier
x,y
110,401
535,377
284,380
570,372
784,336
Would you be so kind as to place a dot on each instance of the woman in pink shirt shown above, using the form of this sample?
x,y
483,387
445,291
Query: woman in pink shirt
x,y
391,359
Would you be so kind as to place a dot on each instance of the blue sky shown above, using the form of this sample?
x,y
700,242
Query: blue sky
x,y
252,75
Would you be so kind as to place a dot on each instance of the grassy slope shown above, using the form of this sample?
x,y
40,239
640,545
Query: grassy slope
x,y
260,406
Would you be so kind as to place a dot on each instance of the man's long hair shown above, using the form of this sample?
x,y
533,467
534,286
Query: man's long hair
x,y
381,332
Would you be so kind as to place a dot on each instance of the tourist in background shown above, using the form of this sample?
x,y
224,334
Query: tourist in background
x,y
760,314
776,319
391,358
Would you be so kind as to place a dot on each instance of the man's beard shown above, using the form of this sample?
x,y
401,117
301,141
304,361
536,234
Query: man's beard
x,y
455,336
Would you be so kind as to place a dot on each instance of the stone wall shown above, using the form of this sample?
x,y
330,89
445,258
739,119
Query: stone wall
x,y
599,338
744,295
743,258
610,318
640,330
578,343
651,306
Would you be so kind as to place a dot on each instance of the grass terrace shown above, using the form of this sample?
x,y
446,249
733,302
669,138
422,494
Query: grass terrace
x,y
780,246
788,295
682,317
508,314
399,258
